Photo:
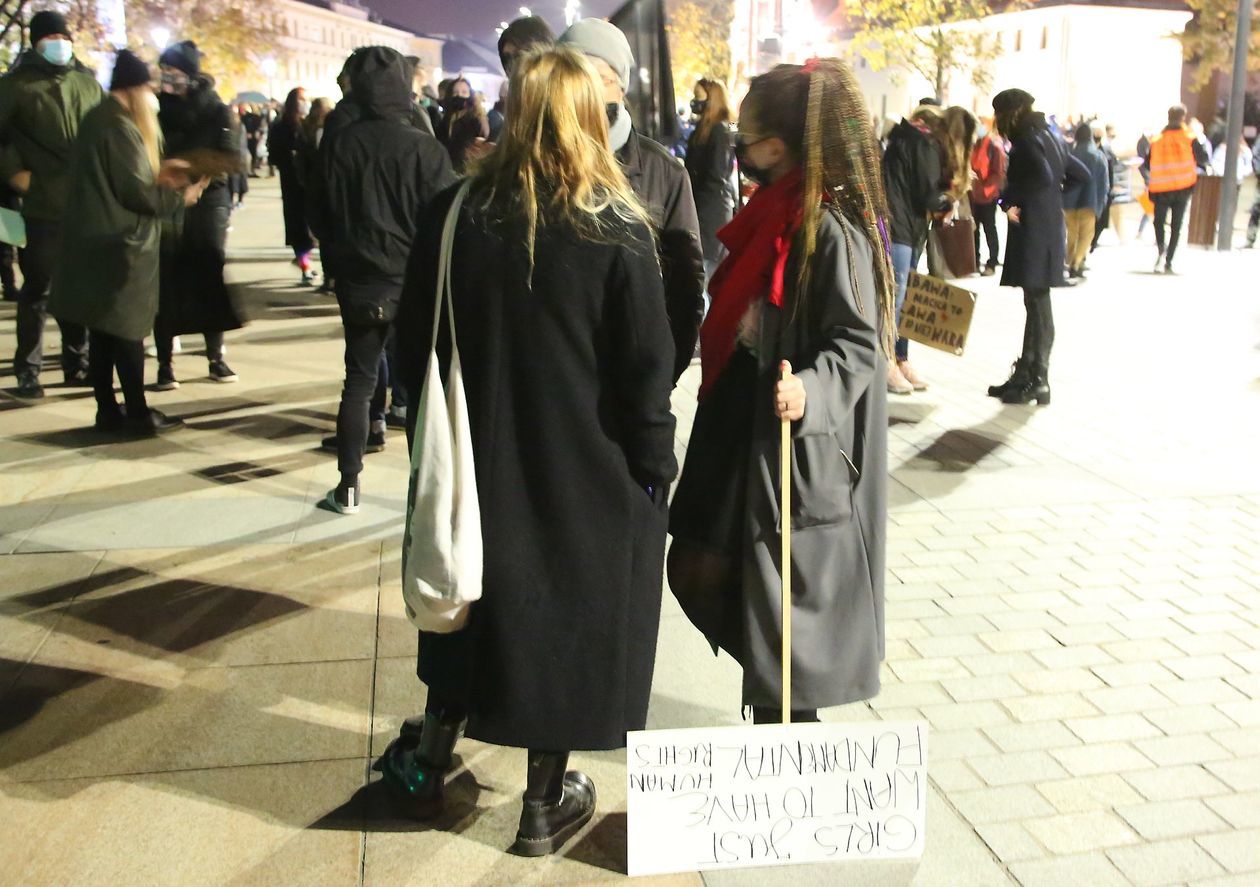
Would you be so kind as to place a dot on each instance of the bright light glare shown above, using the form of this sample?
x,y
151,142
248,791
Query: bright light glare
x,y
161,37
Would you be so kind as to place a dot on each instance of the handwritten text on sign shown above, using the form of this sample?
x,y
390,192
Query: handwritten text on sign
x,y
937,314
736,797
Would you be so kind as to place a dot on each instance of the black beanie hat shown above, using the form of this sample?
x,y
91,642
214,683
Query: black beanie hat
x,y
46,23
129,70
1009,99
183,56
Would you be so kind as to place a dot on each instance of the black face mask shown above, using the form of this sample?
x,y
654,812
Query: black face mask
x,y
750,172
698,106
456,103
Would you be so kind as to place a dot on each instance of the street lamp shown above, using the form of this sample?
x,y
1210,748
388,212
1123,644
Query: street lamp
x,y
525,11
161,37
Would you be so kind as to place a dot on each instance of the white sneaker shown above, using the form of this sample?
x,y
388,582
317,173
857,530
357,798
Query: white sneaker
x,y
343,500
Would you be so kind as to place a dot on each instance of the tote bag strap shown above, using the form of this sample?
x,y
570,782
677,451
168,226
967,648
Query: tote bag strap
x,y
444,266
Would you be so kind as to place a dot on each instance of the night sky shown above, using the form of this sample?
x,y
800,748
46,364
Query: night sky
x,y
478,18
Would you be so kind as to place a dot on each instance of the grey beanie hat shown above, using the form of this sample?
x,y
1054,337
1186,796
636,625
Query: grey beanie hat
x,y
603,40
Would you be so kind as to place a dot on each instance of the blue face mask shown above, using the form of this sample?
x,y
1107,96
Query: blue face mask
x,y
56,52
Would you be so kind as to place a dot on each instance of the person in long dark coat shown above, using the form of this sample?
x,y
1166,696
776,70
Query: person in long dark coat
x,y
284,149
568,362
800,330
197,127
107,276
1036,243
711,166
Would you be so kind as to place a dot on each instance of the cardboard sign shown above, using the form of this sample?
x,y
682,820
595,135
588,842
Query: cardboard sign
x,y
739,797
937,314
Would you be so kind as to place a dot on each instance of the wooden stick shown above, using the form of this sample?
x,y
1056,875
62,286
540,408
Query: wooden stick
x,y
785,560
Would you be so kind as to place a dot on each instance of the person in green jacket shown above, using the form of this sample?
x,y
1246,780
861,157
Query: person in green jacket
x,y
42,102
107,277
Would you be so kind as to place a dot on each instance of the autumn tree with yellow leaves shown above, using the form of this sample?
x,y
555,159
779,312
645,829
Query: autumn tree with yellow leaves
x,y
699,42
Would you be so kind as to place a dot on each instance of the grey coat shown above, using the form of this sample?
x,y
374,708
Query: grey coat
x,y
839,473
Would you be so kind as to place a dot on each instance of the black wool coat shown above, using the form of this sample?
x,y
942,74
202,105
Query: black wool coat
x,y
195,297
568,384
1040,165
711,166
284,146
915,183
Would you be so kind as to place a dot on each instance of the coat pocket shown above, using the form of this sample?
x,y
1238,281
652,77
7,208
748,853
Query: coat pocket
x,y
823,475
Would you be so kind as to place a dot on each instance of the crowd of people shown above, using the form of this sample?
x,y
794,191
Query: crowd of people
x,y
586,266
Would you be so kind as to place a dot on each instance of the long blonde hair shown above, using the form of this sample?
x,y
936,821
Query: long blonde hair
x,y
141,113
553,161
717,111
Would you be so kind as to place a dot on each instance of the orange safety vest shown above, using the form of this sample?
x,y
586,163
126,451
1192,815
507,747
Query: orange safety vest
x,y
1172,161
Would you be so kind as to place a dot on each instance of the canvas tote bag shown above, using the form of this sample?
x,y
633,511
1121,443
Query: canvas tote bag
x,y
442,547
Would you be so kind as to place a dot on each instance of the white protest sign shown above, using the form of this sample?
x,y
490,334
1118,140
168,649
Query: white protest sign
x,y
738,797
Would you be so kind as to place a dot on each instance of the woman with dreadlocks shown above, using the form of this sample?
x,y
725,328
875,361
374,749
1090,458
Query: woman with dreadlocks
x,y
800,329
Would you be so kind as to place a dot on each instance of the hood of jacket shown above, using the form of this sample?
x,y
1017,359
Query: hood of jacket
x,y
906,131
1031,124
380,82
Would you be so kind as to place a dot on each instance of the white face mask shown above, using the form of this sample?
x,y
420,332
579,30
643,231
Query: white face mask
x,y
151,99
56,51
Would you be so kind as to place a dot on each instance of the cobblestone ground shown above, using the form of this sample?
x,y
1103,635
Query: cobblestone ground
x,y
197,666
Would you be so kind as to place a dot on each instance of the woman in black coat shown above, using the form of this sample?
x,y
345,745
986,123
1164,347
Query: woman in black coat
x,y
711,166
200,130
285,148
1036,246
568,361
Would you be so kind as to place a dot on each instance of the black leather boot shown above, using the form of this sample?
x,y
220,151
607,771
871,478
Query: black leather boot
x,y
556,805
414,769
1036,389
1020,371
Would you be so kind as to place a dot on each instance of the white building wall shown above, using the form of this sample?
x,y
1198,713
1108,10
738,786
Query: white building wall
x,y
1122,65
316,41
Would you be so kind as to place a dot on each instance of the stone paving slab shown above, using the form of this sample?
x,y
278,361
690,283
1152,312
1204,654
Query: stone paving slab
x,y
192,652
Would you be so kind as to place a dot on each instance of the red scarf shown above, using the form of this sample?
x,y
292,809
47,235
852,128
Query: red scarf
x,y
759,239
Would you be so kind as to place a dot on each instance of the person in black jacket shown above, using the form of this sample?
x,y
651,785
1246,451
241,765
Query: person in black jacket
x,y
377,174
1036,245
915,181
711,166
659,180
198,128
284,147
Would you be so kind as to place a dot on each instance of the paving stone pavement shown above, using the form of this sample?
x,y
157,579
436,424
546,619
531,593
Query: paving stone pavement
x,y
197,666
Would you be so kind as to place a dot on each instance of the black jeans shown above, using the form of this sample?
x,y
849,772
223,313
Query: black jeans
x,y
1177,201
986,217
364,389
1038,328
110,353
43,244
397,391
1253,222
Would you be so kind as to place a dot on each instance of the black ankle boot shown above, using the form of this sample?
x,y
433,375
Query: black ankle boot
x,y
414,770
555,807
1036,389
1020,372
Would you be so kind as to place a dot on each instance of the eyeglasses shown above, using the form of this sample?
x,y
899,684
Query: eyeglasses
x,y
744,141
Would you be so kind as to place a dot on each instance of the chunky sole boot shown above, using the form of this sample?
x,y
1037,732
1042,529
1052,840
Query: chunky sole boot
x,y
1019,378
1035,391
415,771
546,826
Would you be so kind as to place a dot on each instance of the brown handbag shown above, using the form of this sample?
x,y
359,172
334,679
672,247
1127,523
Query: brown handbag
x,y
952,249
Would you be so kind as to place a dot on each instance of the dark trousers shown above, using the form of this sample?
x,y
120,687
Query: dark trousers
x,y
1176,201
1038,329
8,279
397,391
43,243
1253,222
364,390
986,218
110,354
1103,223
165,342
